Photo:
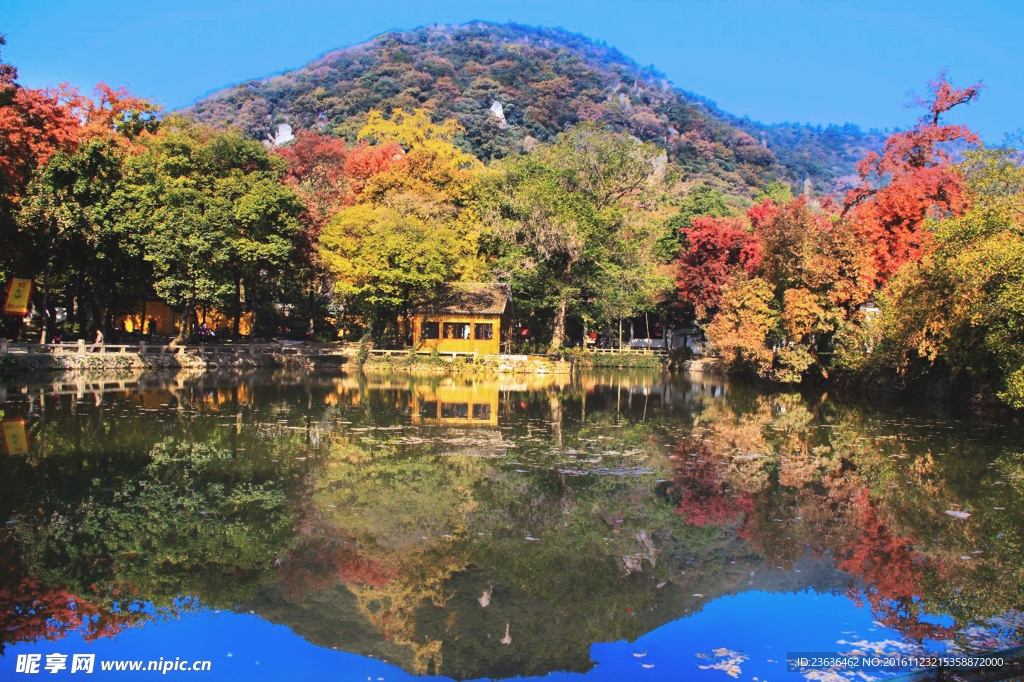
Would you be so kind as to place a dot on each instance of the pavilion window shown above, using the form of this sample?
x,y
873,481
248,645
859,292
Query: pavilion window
x,y
483,332
429,330
456,330
454,410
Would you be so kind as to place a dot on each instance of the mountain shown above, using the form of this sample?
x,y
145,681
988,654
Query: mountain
x,y
511,86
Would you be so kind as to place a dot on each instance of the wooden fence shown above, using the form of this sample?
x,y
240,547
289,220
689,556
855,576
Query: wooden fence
x,y
629,351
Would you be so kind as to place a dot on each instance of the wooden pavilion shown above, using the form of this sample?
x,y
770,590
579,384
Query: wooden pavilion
x,y
467,317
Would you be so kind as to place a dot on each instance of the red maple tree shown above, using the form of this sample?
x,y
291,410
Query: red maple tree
x,y
316,171
912,179
714,248
36,123
320,563
365,161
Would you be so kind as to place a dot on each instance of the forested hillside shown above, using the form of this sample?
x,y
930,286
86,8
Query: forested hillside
x,y
512,86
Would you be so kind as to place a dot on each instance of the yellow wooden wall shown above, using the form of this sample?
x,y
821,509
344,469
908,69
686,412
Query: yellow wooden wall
x,y
471,345
479,395
165,320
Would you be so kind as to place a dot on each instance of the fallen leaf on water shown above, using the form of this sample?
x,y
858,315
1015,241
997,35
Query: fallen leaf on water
x,y
727,661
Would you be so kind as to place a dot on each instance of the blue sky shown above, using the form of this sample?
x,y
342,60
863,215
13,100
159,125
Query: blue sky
x,y
820,61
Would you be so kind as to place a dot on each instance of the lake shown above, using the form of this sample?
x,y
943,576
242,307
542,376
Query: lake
x,y
608,526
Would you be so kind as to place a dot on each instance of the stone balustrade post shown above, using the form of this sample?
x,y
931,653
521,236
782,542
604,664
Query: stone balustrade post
x,y
81,346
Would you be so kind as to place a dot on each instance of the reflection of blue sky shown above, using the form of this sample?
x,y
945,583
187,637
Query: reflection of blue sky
x,y
764,626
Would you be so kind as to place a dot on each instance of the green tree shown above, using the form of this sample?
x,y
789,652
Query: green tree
x,y
69,219
572,223
191,522
779,192
215,215
702,200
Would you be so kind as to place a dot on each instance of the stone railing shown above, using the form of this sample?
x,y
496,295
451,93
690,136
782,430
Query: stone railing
x,y
81,347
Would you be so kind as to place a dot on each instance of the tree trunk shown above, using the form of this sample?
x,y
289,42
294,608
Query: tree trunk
x,y
70,312
45,335
185,324
104,311
558,336
98,314
255,307
312,328
238,308
82,311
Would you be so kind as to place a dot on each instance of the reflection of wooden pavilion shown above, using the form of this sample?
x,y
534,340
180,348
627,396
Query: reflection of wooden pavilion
x,y
466,318
472,405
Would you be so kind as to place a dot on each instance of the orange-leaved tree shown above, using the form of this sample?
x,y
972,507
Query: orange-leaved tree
x,y
911,180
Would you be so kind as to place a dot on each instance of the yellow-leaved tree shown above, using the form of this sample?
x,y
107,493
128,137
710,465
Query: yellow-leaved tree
x,y
413,229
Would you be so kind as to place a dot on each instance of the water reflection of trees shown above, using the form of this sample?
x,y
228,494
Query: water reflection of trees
x,y
429,534
586,509
869,491
183,525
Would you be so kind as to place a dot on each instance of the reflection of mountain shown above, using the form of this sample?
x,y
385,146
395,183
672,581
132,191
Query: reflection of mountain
x,y
436,555
584,509
551,630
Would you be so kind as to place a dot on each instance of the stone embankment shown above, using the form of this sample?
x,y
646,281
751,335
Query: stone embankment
x,y
703,366
81,357
440,363
417,363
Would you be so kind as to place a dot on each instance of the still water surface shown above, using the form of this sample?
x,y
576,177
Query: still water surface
x,y
612,526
